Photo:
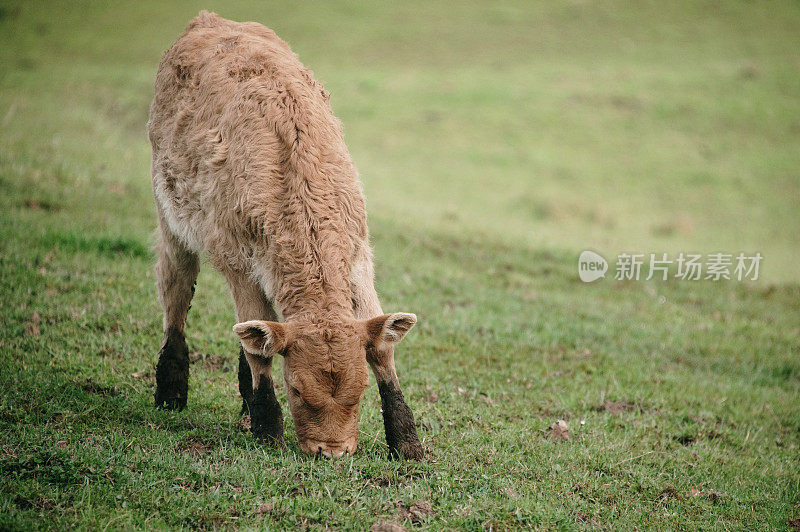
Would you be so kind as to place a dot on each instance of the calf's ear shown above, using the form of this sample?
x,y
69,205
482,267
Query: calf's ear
x,y
389,328
261,337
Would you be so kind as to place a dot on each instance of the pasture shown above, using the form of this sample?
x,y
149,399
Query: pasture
x,y
495,143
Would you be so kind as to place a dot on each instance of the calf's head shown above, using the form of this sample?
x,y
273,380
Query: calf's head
x,y
325,370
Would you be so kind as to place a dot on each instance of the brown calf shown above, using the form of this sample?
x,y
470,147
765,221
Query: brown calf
x,y
250,167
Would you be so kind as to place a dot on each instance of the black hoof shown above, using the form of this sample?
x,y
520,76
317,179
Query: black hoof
x,y
409,450
174,403
172,373
271,439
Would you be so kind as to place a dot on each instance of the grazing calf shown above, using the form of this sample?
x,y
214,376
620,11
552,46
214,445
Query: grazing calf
x,y
250,167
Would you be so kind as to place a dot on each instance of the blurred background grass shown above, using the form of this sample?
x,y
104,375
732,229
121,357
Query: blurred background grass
x,y
619,127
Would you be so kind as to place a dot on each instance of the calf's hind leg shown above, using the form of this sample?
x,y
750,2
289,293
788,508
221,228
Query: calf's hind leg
x,y
176,274
255,373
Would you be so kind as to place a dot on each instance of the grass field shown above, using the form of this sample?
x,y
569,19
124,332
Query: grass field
x,y
495,143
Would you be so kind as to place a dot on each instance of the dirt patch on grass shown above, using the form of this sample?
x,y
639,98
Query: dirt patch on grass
x,y
41,205
559,430
197,448
430,394
616,407
146,374
588,519
713,496
94,388
386,526
268,508
668,493
690,436
382,480
209,362
416,512
33,326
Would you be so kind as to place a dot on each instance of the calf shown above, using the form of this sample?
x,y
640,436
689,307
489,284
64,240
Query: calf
x,y
250,167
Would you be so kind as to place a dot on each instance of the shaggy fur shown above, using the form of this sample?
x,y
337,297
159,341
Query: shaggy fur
x,y
250,166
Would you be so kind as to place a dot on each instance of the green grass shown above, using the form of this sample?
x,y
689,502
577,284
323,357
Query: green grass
x,y
495,143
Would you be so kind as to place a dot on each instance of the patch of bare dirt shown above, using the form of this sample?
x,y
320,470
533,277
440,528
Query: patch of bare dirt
x,y
143,374
486,399
431,396
710,495
210,362
32,328
616,407
416,512
669,493
36,205
386,526
588,519
119,189
268,508
559,430
197,448
214,362
97,389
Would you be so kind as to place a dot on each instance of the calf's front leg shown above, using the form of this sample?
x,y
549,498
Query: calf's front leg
x,y
255,372
398,420
266,417
176,273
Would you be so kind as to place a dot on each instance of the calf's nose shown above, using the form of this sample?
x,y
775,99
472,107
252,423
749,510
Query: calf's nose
x,y
332,450
333,453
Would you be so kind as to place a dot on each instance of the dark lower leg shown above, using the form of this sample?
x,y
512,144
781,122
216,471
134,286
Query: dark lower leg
x,y
172,372
245,383
398,423
266,418
176,273
255,373
398,420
